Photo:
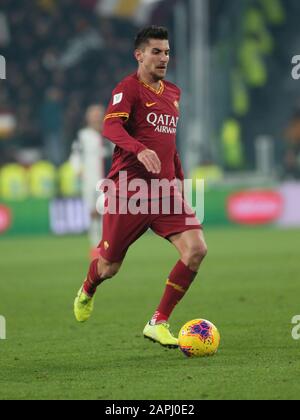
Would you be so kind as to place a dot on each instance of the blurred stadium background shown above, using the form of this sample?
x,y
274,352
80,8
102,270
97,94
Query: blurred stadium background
x,y
240,131
241,107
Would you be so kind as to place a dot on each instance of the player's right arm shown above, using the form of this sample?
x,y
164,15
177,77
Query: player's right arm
x,y
118,113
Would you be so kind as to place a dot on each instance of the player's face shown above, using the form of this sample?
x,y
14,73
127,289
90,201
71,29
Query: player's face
x,y
154,58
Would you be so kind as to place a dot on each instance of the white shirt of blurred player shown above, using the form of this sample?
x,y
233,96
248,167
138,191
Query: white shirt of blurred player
x,y
92,154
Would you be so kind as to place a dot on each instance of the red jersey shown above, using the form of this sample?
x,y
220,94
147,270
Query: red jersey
x,y
138,118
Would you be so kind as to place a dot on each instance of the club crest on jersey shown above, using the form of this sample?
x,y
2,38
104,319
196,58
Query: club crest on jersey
x,y
117,98
176,103
163,123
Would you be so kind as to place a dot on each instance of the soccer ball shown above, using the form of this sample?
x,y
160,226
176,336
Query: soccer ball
x,y
199,338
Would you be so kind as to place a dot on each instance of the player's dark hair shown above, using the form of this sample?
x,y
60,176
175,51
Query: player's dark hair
x,y
150,32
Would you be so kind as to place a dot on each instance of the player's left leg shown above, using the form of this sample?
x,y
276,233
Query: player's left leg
x,y
192,249
191,246
185,233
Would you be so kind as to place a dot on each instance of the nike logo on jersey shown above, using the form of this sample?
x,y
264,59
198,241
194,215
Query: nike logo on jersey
x,y
150,104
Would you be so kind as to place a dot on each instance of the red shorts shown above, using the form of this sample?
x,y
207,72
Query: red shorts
x,y
122,230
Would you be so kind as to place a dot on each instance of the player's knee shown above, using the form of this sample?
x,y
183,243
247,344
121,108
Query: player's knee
x,y
108,270
195,255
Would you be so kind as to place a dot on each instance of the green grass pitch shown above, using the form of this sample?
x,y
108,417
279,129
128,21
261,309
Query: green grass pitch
x,y
248,286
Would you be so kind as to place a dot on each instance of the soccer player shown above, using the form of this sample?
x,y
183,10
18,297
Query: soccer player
x,y
141,121
88,159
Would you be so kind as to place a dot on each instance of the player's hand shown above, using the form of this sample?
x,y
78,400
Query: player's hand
x,y
150,160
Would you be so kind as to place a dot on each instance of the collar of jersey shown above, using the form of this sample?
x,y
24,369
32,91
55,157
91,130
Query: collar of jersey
x,y
159,91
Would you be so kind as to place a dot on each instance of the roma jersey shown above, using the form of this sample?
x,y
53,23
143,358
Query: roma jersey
x,y
138,118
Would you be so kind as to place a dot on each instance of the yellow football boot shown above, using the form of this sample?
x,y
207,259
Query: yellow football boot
x,y
83,306
160,333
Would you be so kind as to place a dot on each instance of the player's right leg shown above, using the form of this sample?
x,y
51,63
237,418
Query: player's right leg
x,y
100,270
119,232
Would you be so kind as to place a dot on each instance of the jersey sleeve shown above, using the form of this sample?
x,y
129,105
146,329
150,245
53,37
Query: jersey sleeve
x,y
118,113
122,102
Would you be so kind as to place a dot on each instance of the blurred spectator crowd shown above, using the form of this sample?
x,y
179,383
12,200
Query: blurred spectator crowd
x,y
64,55
61,57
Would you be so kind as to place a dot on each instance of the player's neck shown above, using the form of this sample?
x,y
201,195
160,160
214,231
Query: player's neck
x,y
148,79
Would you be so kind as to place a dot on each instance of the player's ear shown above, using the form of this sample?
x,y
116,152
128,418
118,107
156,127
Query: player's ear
x,y
139,55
